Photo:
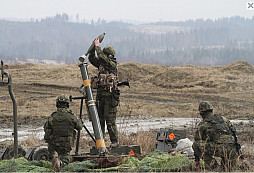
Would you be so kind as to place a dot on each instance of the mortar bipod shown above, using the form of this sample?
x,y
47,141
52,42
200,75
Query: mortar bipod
x,y
80,117
9,84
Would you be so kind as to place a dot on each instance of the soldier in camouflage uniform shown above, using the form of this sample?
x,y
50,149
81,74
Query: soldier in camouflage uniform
x,y
107,91
60,130
215,136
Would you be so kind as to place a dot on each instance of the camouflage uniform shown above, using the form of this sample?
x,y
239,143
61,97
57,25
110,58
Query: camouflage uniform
x,y
214,137
60,131
107,94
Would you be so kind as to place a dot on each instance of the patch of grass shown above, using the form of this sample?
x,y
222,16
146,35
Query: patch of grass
x,y
32,141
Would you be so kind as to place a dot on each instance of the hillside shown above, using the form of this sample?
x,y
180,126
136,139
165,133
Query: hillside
x,y
198,42
163,91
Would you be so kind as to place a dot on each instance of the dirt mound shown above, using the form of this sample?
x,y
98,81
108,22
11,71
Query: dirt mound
x,y
136,71
19,66
172,77
239,66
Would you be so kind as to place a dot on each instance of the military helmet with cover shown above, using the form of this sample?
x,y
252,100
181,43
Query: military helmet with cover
x,y
62,99
205,106
109,51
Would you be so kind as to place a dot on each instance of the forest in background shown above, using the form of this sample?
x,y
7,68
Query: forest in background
x,y
197,42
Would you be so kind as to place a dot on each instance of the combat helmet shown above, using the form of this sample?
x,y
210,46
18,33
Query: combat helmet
x,y
109,51
205,106
62,101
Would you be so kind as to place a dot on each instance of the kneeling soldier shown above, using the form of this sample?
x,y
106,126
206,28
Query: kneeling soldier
x,y
60,130
215,136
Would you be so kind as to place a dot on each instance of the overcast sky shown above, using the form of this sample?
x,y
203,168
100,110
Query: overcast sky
x,y
133,10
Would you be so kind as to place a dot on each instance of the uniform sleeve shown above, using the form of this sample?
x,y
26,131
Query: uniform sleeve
x,y
94,60
47,129
201,132
77,122
104,60
197,136
230,125
46,125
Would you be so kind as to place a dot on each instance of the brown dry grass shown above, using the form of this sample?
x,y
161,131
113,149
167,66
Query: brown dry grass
x,y
164,91
31,141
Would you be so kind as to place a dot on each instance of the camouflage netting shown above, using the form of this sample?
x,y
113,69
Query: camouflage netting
x,y
22,165
85,166
155,162
161,161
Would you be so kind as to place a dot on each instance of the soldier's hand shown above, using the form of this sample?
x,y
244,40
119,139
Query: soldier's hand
x,y
197,165
96,42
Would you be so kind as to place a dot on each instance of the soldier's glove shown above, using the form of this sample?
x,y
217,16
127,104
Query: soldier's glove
x,y
197,165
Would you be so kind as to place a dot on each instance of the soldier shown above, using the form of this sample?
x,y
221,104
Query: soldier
x,y
215,136
60,130
107,91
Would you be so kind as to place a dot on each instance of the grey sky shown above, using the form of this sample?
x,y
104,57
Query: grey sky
x,y
137,10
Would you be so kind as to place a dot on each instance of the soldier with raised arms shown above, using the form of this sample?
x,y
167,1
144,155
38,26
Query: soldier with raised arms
x,y
107,91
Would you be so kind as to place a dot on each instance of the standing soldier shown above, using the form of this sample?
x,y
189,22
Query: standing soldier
x,y
215,136
107,91
60,130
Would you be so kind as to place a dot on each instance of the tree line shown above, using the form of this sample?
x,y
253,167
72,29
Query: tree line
x,y
198,42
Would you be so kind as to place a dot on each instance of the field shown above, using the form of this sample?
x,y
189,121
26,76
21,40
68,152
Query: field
x,y
159,91
162,91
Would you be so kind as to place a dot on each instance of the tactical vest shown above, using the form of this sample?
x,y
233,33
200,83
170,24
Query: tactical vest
x,y
218,130
105,79
62,125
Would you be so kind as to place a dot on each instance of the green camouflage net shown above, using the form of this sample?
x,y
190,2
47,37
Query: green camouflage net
x,y
154,162
161,162
22,165
85,166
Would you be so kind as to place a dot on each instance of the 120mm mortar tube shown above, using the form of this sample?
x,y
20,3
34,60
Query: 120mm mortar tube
x,y
92,110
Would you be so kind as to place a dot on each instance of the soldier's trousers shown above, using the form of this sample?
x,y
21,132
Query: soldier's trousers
x,y
207,151
107,109
63,151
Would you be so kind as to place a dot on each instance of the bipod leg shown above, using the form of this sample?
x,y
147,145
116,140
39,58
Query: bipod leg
x,y
78,135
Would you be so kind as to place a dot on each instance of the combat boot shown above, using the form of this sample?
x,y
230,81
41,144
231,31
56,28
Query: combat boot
x,y
56,164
